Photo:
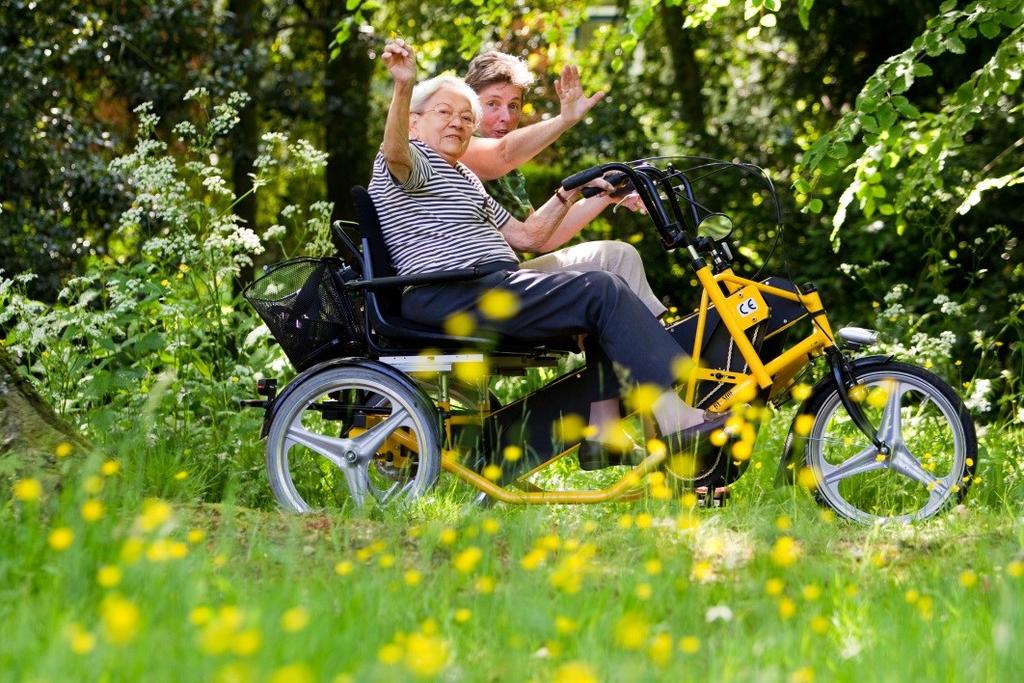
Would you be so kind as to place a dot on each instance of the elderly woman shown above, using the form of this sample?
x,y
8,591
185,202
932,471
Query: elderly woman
x,y
500,81
435,216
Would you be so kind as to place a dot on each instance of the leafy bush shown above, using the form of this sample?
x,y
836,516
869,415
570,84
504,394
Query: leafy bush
x,y
154,344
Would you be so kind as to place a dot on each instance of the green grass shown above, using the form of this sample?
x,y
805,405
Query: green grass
x,y
933,601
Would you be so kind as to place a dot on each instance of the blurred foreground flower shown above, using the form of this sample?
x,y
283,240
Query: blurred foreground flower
x,y
28,490
120,619
60,539
575,672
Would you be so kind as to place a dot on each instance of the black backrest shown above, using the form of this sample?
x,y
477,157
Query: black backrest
x,y
376,260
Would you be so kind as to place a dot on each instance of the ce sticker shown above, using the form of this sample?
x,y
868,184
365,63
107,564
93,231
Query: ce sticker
x,y
748,307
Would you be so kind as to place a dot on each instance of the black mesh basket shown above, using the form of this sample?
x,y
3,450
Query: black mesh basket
x,y
309,313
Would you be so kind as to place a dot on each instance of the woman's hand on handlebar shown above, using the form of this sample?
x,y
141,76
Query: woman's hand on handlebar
x,y
632,202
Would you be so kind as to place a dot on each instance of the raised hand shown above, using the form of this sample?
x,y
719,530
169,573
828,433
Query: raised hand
x,y
400,59
574,106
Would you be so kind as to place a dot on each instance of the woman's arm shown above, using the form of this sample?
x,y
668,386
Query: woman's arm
x,y
492,158
580,215
537,230
401,62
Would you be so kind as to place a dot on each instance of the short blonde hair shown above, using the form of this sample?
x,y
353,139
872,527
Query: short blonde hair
x,y
493,67
426,89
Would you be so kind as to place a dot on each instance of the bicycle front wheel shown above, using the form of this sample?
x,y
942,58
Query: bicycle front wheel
x,y
933,446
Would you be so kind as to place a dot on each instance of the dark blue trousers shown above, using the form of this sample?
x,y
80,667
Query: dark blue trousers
x,y
618,325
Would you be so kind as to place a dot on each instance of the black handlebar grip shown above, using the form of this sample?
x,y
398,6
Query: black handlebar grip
x,y
581,178
614,178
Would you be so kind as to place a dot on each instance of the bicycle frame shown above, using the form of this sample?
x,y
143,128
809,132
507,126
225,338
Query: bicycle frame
x,y
738,301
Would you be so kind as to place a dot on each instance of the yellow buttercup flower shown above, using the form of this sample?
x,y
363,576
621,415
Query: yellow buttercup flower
x,y
200,616
499,304
811,592
820,625
92,485
565,626
968,578
181,475
801,392
644,591
247,642
60,539
787,608
803,424
155,512
293,673
63,449
484,584
804,674
412,577
1015,569
492,472
92,510
575,672
462,615
343,568
641,399
878,397
426,655
81,641
569,428
652,567
774,587
195,536
467,560
512,453
108,575
660,649
702,571
644,520
490,526
741,451
389,654
471,372
689,644
295,619
785,552
447,536
533,559
27,490
110,468
120,619
631,631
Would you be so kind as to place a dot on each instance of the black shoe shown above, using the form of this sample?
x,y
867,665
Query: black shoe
x,y
595,455
695,439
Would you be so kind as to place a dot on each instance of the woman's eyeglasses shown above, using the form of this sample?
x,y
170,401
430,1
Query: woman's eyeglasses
x,y
446,114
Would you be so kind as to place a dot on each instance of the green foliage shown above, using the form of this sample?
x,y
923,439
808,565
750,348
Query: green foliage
x,y
161,335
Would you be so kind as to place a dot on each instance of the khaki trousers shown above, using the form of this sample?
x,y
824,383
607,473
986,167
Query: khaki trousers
x,y
612,256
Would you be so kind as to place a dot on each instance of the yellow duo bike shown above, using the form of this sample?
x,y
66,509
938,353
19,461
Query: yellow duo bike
x,y
378,409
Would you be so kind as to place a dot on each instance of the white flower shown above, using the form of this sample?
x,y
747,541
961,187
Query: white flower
x,y
718,613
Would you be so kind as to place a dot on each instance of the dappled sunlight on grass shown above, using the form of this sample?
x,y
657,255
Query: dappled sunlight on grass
x,y
101,576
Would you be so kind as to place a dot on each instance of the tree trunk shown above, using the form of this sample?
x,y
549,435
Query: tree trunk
x,y
30,430
685,68
242,30
346,123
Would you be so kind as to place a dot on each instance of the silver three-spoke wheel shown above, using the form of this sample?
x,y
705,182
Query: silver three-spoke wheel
x,y
930,439
348,432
